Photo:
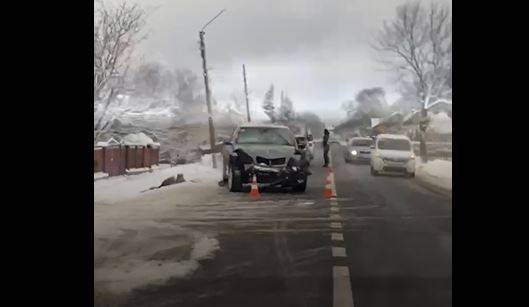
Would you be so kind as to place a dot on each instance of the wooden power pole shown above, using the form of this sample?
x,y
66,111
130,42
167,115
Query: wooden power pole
x,y
246,93
208,99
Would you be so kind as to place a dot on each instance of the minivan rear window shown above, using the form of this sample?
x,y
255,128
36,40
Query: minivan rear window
x,y
365,143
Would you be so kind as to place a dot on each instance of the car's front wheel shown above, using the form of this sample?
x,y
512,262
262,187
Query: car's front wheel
x,y
234,180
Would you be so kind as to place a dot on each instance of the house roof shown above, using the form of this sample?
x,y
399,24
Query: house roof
x,y
262,126
392,136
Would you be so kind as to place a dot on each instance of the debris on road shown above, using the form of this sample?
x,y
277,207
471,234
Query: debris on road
x,y
169,181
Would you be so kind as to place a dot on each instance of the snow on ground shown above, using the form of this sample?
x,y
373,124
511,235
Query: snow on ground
x,y
436,172
121,188
100,175
142,239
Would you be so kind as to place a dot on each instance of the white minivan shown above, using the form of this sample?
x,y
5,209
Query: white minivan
x,y
393,153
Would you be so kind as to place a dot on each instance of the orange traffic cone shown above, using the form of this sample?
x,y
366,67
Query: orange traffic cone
x,y
327,192
254,192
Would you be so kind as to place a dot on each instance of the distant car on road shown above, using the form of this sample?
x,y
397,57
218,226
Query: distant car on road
x,y
358,150
268,151
393,153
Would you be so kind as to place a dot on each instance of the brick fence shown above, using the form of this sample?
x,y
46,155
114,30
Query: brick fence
x,y
116,159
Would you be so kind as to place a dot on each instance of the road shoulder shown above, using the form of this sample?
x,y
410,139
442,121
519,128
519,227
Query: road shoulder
x,y
433,187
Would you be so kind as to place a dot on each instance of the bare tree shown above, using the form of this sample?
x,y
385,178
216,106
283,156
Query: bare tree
x,y
286,109
417,43
187,90
148,79
268,104
237,98
116,31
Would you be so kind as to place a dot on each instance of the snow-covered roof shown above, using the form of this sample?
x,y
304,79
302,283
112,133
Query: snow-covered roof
x,y
262,126
393,136
394,118
411,117
110,142
138,139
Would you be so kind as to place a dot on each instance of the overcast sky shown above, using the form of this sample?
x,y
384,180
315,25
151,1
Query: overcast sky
x,y
316,50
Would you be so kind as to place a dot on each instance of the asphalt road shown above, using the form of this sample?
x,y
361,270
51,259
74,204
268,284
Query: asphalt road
x,y
278,251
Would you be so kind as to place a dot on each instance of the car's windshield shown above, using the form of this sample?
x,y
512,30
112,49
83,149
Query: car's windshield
x,y
394,144
365,143
258,135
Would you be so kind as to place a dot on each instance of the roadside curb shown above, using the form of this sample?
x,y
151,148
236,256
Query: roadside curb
x,y
433,188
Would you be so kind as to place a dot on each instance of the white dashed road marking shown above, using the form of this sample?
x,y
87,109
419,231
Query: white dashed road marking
x,y
336,236
342,294
338,252
336,225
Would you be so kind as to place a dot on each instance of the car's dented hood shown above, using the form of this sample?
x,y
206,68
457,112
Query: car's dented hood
x,y
268,151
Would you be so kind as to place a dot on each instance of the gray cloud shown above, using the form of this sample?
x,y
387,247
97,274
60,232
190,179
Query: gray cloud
x,y
316,50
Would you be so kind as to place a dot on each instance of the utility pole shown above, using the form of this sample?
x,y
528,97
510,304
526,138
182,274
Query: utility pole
x,y
246,93
208,92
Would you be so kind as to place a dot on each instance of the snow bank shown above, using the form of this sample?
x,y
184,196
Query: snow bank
x,y
436,172
119,188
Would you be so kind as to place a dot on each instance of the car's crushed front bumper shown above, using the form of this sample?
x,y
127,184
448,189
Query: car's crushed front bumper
x,y
273,176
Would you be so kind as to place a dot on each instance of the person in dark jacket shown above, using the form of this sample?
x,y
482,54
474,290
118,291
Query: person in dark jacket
x,y
326,148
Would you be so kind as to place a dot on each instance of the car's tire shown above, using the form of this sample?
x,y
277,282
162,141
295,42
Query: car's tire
x,y
301,187
234,180
373,171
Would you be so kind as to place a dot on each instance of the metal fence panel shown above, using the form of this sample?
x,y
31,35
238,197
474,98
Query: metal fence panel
x,y
112,163
139,156
99,161
131,157
155,155
147,156
122,159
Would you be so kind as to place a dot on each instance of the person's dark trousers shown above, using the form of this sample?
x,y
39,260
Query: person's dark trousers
x,y
326,154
